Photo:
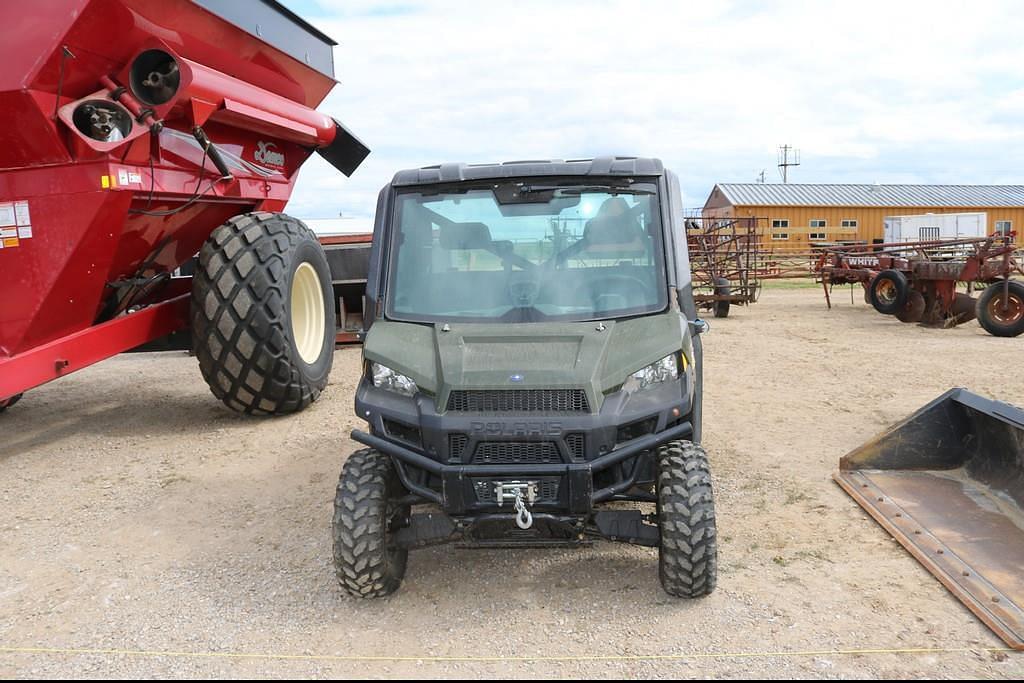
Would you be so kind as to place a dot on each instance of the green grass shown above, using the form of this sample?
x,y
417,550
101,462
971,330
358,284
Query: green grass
x,y
791,283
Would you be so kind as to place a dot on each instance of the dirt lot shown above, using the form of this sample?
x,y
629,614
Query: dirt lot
x,y
164,536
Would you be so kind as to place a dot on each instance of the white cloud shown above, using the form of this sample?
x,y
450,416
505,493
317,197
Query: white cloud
x,y
868,90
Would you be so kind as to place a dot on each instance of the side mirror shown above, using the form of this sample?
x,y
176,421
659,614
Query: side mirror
x,y
700,326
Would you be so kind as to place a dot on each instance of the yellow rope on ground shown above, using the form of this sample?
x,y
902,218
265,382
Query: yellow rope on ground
x,y
498,658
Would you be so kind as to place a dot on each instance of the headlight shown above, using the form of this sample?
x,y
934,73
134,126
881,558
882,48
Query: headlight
x,y
665,369
386,378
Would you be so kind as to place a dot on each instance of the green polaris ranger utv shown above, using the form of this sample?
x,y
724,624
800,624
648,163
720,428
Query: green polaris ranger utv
x,y
532,363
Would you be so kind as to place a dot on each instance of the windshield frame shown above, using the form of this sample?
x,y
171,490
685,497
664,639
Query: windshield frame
x,y
643,185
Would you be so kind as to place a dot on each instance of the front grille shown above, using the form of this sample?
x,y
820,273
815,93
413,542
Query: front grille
x,y
576,445
515,453
519,400
547,490
456,444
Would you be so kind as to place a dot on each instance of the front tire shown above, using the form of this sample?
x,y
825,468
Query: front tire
x,y
263,321
366,562
688,556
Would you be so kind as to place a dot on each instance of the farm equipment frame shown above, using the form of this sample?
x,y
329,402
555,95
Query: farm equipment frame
x,y
727,260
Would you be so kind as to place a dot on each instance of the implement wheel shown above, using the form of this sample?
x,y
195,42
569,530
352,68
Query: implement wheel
x,y
263,321
721,306
889,291
688,556
999,317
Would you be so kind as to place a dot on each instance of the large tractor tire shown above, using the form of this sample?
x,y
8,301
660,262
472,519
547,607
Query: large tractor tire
x,y
889,291
722,288
366,561
6,403
688,556
998,319
263,321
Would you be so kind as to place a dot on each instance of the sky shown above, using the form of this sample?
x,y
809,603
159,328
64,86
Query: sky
x,y
868,91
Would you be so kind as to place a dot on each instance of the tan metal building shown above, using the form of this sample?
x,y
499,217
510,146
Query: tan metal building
x,y
795,215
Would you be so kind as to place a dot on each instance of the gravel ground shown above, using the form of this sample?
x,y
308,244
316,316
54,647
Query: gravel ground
x,y
149,527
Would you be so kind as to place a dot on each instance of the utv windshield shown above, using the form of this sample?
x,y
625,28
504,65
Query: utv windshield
x,y
527,251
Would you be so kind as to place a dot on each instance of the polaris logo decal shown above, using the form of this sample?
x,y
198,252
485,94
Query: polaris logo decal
x,y
266,154
539,428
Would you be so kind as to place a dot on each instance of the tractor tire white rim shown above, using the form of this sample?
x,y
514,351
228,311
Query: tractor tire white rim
x,y
308,319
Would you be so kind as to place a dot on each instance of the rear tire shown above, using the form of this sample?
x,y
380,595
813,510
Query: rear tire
x,y
263,321
6,403
992,317
688,556
889,291
365,562
722,288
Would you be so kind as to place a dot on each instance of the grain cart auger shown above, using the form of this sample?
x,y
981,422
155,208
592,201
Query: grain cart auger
x,y
135,134
948,483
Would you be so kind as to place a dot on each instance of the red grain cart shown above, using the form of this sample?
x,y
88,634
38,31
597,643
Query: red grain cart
x,y
136,134
917,282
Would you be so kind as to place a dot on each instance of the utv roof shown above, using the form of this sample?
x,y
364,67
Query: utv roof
x,y
599,166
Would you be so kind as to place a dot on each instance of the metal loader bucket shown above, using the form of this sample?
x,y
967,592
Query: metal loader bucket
x,y
948,483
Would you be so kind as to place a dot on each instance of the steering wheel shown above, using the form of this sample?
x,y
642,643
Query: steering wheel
x,y
630,288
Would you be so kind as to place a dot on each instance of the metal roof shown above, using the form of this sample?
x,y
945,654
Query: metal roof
x,y
598,166
758,194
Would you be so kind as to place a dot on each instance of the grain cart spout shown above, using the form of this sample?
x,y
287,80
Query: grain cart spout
x,y
948,483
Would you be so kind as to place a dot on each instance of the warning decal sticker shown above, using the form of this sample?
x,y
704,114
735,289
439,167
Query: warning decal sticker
x,y
15,223
125,177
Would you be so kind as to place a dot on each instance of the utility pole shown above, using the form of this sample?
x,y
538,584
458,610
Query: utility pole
x,y
760,177
785,163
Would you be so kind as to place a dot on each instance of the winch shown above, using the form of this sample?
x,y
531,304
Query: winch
x,y
516,491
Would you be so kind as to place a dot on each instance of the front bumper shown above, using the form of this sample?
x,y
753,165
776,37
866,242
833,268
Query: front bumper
x,y
593,461
575,480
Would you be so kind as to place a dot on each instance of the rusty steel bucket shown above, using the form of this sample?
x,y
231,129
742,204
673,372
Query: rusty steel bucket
x,y
948,483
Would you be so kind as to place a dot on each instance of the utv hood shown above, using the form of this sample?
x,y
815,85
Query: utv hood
x,y
595,357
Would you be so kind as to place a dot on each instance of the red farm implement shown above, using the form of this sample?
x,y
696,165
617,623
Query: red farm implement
x,y
917,281
136,134
727,262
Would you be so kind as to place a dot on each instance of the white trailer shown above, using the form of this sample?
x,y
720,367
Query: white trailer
x,y
935,226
